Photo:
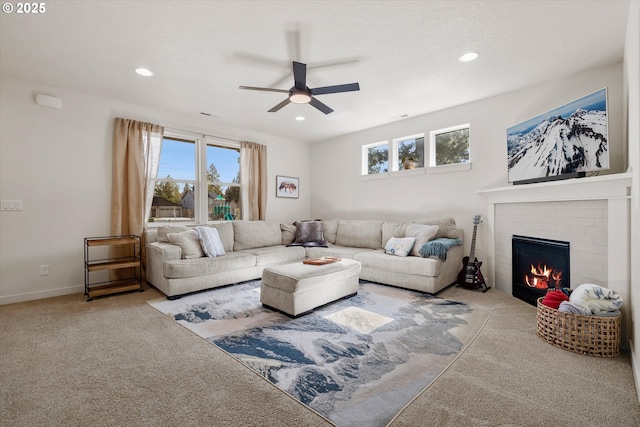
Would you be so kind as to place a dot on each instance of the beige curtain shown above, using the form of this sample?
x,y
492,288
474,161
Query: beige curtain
x,y
136,156
253,166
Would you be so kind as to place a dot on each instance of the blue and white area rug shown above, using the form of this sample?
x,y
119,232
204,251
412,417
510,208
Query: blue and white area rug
x,y
357,361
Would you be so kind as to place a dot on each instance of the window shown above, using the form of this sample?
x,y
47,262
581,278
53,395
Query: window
x,y
390,156
409,149
193,169
223,183
375,158
173,196
449,146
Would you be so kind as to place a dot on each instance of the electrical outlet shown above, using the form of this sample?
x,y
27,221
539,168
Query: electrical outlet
x,y
44,270
11,205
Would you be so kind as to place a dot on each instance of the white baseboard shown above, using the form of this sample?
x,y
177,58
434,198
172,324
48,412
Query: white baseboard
x,y
30,296
635,368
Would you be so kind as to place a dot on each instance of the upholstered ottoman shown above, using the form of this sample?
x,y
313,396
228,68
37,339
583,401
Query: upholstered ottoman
x,y
296,289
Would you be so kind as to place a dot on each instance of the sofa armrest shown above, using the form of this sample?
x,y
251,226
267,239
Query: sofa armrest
x,y
157,254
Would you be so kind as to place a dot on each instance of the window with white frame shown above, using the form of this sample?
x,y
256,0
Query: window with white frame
x,y
449,146
409,152
392,156
375,158
192,170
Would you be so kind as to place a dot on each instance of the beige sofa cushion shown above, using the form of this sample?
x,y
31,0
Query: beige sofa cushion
x,y
378,260
446,226
335,251
272,255
360,233
163,230
225,230
288,233
393,229
202,266
330,228
255,234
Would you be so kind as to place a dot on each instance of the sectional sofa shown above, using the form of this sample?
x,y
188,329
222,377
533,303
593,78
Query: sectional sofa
x,y
176,267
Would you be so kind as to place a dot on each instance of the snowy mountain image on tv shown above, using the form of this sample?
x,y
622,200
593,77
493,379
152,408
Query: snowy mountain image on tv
x,y
571,138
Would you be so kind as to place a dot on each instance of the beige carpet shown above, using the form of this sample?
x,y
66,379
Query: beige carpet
x,y
117,361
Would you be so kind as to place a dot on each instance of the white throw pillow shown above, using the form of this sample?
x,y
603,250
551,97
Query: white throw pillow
x,y
210,241
189,242
422,233
399,246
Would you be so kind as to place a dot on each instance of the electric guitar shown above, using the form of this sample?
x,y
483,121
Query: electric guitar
x,y
470,277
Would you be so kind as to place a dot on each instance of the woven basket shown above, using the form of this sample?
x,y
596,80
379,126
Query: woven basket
x,y
593,335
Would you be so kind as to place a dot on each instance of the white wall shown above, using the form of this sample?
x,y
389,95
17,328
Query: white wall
x,y
632,114
58,162
338,191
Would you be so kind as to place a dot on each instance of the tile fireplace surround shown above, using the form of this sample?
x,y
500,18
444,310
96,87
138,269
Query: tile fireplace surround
x,y
591,213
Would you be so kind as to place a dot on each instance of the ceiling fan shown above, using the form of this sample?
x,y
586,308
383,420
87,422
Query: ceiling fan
x,y
301,94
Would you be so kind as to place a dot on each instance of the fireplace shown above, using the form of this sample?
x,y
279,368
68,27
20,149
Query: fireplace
x,y
538,265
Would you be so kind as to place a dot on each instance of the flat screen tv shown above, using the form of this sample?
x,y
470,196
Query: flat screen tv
x,y
566,142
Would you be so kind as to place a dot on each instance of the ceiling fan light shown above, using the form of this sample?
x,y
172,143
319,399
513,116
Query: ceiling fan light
x,y
300,97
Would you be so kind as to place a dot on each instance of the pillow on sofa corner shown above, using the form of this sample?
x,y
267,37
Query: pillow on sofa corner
x,y
288,233
446,226
210,241
399,246
189,242
423,233
309,233
163,230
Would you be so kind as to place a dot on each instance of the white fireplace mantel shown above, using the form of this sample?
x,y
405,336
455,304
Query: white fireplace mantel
x,y
614,188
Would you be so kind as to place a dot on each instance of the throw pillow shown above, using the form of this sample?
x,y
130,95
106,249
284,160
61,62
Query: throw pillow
x,y
189,242
288,233
309,233
446,226
163,230
422,233
210,241
399,246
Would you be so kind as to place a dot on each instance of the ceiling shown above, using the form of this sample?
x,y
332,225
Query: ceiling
x,y
404,54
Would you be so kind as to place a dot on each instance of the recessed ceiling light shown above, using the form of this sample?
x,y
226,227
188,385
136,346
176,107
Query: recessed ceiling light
x,y
299,118
144,72
467,57
400,116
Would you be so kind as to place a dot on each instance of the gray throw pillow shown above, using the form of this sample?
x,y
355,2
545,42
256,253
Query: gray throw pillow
x,y
189,242
309,233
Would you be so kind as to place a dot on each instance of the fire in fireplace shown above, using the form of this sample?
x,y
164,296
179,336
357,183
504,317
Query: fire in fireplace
x,y
537,266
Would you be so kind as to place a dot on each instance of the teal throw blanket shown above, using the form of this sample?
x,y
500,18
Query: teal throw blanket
x,y
438,247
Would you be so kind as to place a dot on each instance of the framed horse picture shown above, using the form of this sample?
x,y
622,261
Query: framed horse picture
x,y
287,186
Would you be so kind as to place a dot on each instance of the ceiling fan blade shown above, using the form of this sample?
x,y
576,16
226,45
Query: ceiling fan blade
x,y
281,80
349,87
252,60
293,43
300,75
337,63
279,106
320,106
264,89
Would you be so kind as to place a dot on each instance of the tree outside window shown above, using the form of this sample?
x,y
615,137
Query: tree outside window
x,y
377,158
450,146
182,195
